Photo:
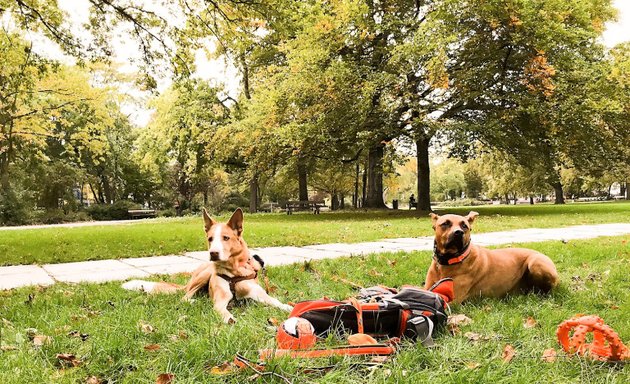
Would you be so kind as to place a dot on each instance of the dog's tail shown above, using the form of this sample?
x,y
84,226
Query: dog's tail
x,y
152,286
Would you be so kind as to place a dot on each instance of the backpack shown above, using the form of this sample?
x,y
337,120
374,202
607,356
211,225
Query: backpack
x,y
379,311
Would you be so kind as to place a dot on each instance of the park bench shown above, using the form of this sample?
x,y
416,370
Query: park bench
x,y
141,213
313,205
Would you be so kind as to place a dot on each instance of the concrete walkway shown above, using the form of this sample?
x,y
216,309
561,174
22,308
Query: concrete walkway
x,y
122,269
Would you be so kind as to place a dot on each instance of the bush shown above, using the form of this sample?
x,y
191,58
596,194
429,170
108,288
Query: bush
x,y
13,209
116,211
57,216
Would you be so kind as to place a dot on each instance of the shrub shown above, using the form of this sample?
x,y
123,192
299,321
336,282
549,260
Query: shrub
x,y
116,211
13,208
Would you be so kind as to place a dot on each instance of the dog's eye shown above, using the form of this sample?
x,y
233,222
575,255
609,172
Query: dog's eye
x,y
464,226
445,224
226,238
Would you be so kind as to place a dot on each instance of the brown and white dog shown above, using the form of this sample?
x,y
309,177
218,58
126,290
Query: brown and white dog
x,y
478,271
232,271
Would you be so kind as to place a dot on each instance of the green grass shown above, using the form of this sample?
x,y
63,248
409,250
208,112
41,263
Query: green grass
x,y
176,236
594,280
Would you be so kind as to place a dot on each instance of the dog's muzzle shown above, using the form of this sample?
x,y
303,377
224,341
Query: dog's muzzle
x,y
214,256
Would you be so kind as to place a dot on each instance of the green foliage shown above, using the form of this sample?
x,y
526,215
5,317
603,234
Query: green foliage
x,y
116,211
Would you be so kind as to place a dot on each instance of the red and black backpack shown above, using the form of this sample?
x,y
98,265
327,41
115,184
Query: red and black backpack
x,y
379,311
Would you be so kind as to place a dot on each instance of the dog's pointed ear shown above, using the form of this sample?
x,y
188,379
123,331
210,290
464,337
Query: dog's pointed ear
x,y
434,219
472,215
208,222
236,221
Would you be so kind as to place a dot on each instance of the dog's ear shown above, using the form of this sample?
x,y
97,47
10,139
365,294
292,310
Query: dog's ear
x,y
208,222
434,219
471,216
236,221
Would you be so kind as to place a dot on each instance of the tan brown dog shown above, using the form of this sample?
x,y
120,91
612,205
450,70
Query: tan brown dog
x,y
232,271
478,271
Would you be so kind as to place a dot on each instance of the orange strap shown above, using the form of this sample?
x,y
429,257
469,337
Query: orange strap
x,y
379,349
614,350
356,304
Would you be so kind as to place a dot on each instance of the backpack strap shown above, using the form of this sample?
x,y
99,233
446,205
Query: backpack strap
x,y
357,305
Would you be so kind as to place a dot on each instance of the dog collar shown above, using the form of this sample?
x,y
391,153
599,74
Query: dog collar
x,y
236,279
446,259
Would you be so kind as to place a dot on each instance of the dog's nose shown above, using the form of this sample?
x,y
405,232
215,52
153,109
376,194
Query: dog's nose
x,y
214,256
458,233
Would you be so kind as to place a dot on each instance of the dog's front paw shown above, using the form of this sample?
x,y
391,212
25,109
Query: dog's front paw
x,y
286,307
229,319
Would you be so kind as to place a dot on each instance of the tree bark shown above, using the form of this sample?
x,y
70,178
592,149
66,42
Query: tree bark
x,y
557,187
375,178
302,179
424,174
253,194
364,187
342,201
355,197
334,202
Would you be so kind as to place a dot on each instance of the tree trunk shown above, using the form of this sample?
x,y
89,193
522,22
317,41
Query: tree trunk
x,y
375,178
253,194
334,201
557,187
342,201
302,179
531,200
507,199
355,196
364,187
424,174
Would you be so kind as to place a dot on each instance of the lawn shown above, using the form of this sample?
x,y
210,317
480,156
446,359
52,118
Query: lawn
x,y
107,328
178,235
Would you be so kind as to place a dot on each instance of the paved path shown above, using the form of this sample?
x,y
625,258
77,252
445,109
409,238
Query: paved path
x,y
122,269
79,224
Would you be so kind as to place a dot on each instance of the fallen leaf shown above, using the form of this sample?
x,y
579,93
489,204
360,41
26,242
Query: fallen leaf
x,y
459,319
270,288
151,347
30,299
472,365
614,307
39,340
473,336
379,359
374,273
391,263
165,378
549,355
7,348
454,329
93,380
273,321
69,358
224,369
530,322
82,336
508,353
146,327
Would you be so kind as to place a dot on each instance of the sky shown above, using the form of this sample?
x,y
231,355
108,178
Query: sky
x,y
218,71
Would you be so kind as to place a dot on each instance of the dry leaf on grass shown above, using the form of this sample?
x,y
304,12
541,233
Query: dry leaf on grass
x,y
69,358
379,359
152,347
93,380
454,329
7,348
473,336
374,273
530,322
549,355
224,369
273,321
459,319
391,263
472,365
165,378
146,327
39,340
508,353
